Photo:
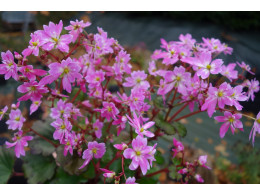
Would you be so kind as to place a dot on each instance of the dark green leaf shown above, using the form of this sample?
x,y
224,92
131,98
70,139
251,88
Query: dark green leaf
x,y
165,126
108,156
180,128
61,177
40,146
69,163
38,169
6,164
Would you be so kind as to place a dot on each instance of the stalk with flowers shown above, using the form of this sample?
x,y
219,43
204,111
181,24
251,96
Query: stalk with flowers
x,y
115,134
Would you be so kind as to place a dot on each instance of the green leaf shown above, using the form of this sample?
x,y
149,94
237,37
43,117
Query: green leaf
x,y
69,163
147,180
61,177
180,128
6,164
40,146
44,128
108,156
165,126
38,169
173,174
159,158
158,102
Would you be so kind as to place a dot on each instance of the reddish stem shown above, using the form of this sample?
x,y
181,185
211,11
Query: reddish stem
x,y
157,172
188,115
46,139
181,109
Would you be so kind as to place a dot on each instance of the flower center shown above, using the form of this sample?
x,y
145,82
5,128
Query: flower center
x,y
178,78
62,126
231,120
138,80
17,118
95,128
34,43
138,153
55,40
76,27
172,52
208,67
36,103
1,112
215,47
220,94
142,129
33,88
66,70
258,120
27,70
68,143
10,64
109,109
94,150
97,78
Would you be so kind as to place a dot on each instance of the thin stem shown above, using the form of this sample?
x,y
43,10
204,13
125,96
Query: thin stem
x,y
45,138
157,172
76,95
188,115
181,109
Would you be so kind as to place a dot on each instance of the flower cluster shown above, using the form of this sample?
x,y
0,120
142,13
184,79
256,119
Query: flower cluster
x,y
87,115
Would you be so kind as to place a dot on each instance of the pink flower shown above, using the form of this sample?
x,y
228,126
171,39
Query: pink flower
x,y
199,178
16,120
202,161
130,180
108,173
253,87
96,150
34,44
140,154
164,88
109,110
19,142
152,68
206,66
183,171
137,80
103,45
76,28
32,89
62,110
238,95
187,40
178,77
121,146
120,122
68,70
229,71
97,126
3,111
62,129
178,147
9,67
52,39
255,129
69,144
95,78
140,128
31,73
35,105
231,121
220,96
245,67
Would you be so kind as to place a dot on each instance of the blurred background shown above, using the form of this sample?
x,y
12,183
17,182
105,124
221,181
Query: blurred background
x,y
233,159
